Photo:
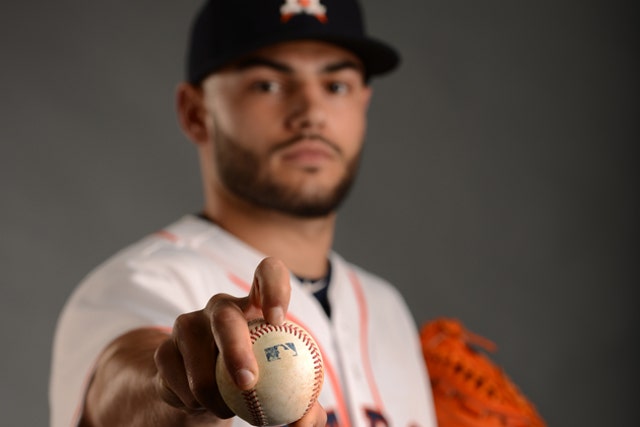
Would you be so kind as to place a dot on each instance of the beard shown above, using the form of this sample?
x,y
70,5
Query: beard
x,y
242,171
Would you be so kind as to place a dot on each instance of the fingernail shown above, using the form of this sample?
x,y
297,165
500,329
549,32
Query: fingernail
x,y
276,315
244,378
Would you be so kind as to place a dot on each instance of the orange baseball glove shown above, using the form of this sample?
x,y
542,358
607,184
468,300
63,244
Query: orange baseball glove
x,y
468,389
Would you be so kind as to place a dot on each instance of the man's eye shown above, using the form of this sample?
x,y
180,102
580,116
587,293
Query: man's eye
x,y
266,86
338,87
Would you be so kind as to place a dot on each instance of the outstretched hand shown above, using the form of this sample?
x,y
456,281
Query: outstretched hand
x,y
186,360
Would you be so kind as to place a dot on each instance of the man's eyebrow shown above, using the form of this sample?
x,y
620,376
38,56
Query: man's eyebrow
x,y
347,64
257,61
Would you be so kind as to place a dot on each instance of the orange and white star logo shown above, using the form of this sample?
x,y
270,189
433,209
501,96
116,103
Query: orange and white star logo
x,y
310,7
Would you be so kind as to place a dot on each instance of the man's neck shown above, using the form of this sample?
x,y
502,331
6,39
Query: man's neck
x,y
303,244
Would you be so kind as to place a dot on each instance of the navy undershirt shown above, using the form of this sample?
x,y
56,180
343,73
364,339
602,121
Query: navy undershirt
x,y
319,289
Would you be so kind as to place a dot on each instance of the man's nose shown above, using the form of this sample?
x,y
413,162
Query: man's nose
x,y
307,109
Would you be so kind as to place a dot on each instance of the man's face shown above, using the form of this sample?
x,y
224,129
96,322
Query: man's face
x,y
287,126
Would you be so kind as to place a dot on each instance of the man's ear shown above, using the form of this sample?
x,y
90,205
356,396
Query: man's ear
x,y
191,113
368,94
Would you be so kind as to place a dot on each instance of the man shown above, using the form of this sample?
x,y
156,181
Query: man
x,y
275,103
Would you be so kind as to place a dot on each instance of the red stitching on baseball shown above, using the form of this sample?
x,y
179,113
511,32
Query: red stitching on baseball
x,y
254,407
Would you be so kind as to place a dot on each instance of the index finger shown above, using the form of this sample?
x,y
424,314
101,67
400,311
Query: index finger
x,y
231,336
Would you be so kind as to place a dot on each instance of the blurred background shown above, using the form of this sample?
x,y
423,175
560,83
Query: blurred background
x,y
499,185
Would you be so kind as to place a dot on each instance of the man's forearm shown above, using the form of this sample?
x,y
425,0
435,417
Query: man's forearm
x,y
123,391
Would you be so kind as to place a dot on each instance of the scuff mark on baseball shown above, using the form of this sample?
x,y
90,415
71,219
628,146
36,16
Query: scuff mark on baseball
x,y
290,375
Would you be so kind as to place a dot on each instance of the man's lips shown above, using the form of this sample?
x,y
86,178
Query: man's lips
x,y
312,148
308,150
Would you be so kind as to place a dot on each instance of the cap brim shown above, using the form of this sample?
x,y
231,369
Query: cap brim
x,y
377,57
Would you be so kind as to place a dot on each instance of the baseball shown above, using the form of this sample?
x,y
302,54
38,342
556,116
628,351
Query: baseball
x,y
289,379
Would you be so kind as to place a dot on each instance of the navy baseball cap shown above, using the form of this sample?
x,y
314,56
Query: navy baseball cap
x,y
225,30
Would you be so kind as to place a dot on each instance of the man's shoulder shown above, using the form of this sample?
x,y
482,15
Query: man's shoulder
x,y
170,263
175,238
173,245
190,249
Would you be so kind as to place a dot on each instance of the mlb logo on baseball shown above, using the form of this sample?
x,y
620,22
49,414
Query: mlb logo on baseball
x,y
273,353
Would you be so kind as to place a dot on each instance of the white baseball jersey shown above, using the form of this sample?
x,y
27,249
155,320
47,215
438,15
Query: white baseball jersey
x,y
374,372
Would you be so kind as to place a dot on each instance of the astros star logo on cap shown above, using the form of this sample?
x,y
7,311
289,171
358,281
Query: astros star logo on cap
x,y
296,7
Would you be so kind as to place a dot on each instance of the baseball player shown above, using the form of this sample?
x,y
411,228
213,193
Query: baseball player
x,y
275,103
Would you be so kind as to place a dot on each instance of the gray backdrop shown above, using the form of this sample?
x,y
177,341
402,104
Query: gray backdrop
x,y
499,184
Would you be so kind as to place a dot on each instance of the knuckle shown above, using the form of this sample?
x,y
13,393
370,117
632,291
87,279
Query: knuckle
x,y
167,394
220,302
224,312
184,322
163,353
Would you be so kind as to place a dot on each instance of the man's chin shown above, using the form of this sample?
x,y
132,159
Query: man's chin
x,y
304,207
